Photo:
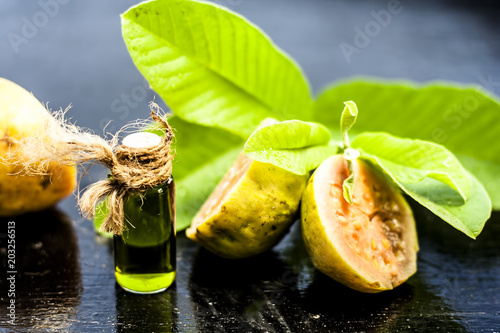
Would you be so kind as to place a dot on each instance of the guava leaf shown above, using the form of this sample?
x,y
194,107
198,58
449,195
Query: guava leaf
x,y
487,173
293,145
194,189
213,67
410,160
347,120
203,156
440,198
350,154
100,213
348,188
463,118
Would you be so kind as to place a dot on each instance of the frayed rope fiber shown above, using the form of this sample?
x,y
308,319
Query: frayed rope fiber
x,y
132,170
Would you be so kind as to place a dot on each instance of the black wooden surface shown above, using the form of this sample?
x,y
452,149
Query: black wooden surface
x,y
65,280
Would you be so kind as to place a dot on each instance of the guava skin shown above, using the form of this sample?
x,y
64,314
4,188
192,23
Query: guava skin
x,y
22,115
255,215
323,233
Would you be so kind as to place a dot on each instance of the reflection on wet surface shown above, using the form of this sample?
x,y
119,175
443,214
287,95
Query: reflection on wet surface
x,y
146,313
277,291
463,272
48,282
280,291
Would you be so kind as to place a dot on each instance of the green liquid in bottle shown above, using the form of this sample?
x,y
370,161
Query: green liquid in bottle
x,y
145,252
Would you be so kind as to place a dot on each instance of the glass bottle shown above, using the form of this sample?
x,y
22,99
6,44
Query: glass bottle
x,y
145,252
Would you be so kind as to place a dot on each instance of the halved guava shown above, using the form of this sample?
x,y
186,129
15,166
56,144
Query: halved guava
x,y
249,211
370,245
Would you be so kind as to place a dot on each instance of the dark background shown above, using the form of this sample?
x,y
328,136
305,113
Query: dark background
x,y
65,281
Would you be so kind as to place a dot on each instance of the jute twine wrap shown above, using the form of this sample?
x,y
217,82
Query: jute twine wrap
x,y
133,170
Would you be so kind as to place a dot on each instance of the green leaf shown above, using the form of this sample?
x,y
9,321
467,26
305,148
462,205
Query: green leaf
x,y
350,155
347,120
213,67
203,156
487,173
441,200
194,189
410,161
100,213
293,145
348,187
463,118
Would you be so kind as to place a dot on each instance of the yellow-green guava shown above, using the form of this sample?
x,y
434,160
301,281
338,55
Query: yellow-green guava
x,y
249,211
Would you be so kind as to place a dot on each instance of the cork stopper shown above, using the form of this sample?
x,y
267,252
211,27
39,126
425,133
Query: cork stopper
x,y
141,140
